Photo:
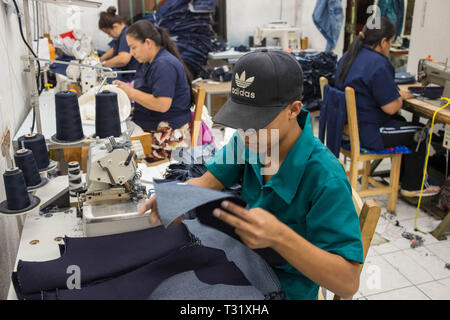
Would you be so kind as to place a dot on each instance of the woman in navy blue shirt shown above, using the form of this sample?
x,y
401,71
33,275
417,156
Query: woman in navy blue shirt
x,y
366,68
162,88
118,56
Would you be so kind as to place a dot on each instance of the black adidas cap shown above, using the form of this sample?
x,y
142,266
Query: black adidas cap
x,y
263,84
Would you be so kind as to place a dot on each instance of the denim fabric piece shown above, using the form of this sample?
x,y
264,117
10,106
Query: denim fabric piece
x,y
175,199
99,258
187,286
210,266
333,117
255,269
328,16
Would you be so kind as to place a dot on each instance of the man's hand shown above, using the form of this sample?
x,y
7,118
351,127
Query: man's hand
x,y
154,218
257,227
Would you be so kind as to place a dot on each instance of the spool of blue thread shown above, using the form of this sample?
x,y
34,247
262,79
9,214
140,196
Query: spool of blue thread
x,y
25,161
68,118
16,190
36,143
107,118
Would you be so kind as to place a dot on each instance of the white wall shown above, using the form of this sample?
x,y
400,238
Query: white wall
x,y
244,16
14,102
430,32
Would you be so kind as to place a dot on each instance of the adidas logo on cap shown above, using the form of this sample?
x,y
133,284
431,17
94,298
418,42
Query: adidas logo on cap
x,y
243,83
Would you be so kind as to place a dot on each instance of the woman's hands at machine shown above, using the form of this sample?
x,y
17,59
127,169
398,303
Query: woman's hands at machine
x,y
406,95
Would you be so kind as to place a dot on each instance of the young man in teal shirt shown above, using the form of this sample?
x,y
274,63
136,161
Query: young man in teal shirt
x,y
299,197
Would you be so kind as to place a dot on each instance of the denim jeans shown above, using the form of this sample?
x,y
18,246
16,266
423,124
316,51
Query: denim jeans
x,y
328,16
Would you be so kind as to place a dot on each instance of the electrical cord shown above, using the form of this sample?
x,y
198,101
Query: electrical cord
x,y
426,163
38,82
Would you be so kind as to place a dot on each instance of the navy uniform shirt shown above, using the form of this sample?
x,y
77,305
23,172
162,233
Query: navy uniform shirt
x,y
372,76
163,77
310,193
121,45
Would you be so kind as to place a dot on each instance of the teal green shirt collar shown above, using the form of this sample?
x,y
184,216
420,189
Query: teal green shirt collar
x,y
287,179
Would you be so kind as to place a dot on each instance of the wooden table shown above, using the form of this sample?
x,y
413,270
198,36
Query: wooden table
x,y
213,87
425,107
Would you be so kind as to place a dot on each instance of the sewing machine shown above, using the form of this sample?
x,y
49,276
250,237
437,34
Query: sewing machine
x,y
289,37
430,72
86,77
113,192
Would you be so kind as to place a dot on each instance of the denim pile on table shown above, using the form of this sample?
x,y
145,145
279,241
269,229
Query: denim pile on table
x,y
190,164
155,263
189,23
315,65
221,74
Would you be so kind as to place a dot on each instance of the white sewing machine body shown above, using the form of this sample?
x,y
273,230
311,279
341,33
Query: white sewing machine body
x,y
288,36
113,191
435,73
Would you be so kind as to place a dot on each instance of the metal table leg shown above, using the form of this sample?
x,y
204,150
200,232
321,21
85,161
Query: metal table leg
x,y
208,102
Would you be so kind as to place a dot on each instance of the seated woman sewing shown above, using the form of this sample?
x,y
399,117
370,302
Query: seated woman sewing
x,y
366,68
162,89
118,56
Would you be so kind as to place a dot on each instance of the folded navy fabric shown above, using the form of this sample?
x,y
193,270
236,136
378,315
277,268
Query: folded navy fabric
x,y
175,199
432,93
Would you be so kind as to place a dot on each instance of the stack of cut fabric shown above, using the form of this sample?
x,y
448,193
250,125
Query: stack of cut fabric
x,y
188,261
316,65
190,25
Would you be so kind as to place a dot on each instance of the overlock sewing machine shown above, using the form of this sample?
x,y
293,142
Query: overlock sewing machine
x,y
431,72
113,192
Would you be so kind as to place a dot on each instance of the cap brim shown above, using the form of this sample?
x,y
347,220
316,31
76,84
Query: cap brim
x,y
242,116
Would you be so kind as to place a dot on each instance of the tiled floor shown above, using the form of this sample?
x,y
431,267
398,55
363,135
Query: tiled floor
x,y
393,270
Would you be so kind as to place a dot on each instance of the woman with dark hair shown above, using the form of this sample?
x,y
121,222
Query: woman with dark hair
x,y
118,56
162,88
366,68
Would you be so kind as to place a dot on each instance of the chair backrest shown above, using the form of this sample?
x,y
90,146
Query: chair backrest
x,y
368,213
352,119
199,98
352,128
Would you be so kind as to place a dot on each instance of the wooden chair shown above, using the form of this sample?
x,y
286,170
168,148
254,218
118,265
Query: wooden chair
x,y
369,213
355,156
199,98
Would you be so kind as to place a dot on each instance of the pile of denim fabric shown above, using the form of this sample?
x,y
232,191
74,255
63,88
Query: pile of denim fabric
x,y
190,25
221,74
191,164
315,65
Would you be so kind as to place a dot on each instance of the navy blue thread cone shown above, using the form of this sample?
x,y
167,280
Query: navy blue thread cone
x,y
107,118
18,199
36,143
68,118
